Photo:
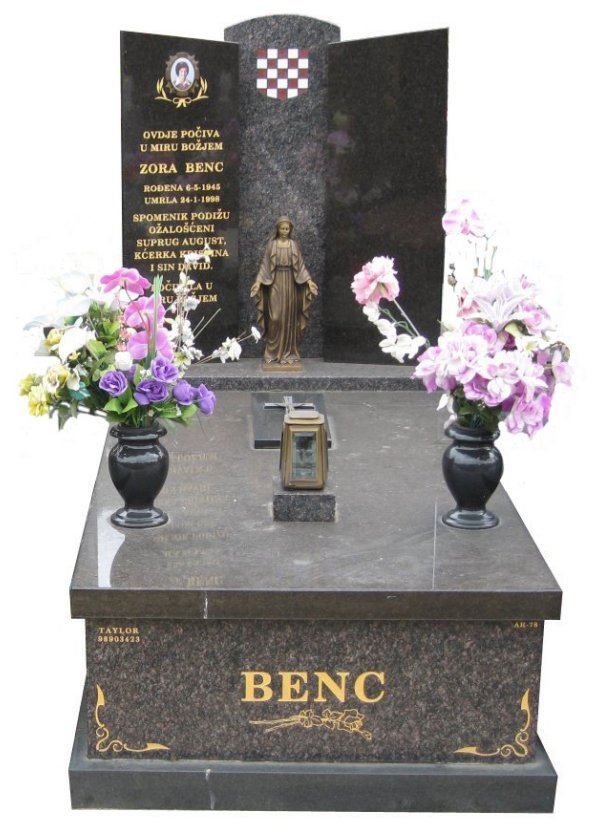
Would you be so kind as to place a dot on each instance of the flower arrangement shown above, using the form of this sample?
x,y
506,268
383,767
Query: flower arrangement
x,y
501,361
377,281
122,356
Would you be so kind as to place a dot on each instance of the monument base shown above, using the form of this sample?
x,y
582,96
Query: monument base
x,y
134,784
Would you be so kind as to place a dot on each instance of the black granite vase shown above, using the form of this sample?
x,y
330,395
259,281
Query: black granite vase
x,y
138,465
472,468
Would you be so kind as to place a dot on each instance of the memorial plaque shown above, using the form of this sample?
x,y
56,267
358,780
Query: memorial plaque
x,y
180,168
386,181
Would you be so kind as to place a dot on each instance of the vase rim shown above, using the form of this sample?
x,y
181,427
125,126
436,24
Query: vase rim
x,y
133,432
463,432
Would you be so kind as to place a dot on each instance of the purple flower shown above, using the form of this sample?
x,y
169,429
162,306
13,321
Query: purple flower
x,y
206,399
114,382
164,370
184,393
150,390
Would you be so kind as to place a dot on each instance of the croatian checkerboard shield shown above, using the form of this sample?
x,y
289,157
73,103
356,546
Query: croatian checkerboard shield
x,y
282,73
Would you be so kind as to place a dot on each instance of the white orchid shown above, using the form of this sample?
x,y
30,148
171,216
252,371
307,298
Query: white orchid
x,y
230,349
73,339
372,312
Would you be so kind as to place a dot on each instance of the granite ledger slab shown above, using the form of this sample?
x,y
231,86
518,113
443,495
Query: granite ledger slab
x,y
387,557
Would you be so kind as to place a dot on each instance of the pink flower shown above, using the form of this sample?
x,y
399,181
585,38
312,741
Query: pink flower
x,y
472,328
139,342
140,313
375,281
463,220
529,417
129,279
427,369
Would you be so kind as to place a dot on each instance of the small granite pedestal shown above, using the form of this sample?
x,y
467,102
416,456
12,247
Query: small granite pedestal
x,y
381,661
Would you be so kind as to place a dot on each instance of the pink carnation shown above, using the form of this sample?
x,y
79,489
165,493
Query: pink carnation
x,y
529,417
129,279
375,281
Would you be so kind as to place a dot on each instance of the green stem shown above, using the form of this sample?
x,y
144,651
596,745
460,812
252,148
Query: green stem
x,y
156,287
415,332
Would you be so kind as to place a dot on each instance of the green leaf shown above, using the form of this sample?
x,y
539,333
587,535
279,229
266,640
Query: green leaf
x,y
96,348
129,406
113,406
515,329
187,412
167,410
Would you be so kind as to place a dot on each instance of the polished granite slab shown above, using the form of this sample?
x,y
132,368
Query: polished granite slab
x,y
388,555
316,375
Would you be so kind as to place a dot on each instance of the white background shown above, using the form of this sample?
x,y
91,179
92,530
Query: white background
x,y
523,139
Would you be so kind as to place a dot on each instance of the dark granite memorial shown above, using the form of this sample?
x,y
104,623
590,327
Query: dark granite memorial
x,y
383,644
180,167
375,658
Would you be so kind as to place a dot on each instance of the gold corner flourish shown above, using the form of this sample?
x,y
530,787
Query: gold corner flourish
x,y
349,720
116,745
181,101
520,748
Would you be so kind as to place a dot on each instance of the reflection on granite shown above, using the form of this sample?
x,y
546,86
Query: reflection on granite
x,y
387,557
431,688
108,542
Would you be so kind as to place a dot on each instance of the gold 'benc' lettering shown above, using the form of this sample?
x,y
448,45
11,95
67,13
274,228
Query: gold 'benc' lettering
x,y
294,687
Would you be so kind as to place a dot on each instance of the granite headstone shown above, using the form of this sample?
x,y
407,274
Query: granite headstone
x,y
283,148
180,167
386,181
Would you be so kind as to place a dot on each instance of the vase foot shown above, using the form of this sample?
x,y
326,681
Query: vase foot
x,y
471,519
139,518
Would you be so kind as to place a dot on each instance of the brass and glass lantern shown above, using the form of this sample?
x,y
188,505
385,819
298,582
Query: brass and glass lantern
x,y
303,460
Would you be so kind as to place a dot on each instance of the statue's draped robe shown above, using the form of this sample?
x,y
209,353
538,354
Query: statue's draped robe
x,y
283,301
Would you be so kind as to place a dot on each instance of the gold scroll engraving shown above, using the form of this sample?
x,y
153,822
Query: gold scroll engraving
x,y
519,748
116,745
349,720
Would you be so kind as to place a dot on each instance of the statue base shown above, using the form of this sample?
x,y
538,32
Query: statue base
x,y
276,367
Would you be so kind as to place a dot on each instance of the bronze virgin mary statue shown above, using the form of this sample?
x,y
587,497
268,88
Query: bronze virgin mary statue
x,y
283,291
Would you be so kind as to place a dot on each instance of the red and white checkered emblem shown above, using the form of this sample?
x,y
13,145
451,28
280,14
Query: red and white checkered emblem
x,y
282,73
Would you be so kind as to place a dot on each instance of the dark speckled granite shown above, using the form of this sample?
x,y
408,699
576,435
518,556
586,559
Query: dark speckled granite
x,y
195,784
388,556
283,155
247,374
446,685
302,505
